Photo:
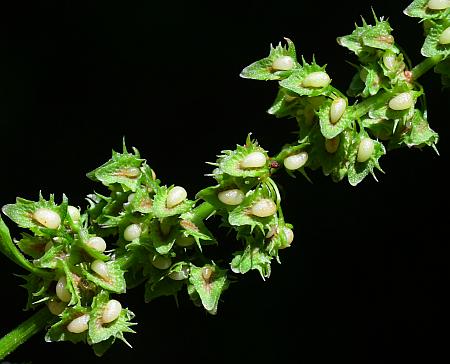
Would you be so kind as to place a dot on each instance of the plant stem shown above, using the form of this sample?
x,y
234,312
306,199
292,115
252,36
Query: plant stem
x,y
424,66
203,210
24,331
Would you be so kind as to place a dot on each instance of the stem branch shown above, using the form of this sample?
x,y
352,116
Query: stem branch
x,y
424,66
24,331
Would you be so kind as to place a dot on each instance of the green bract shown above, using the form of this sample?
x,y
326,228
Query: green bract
x,y
357,171
415,133
98,331
115,282
295,82
58,331
22,213
160,210
366,40
443,68
419,9
241,215
122,168
251,258
209,286
230,161
330,130
263,69
432,47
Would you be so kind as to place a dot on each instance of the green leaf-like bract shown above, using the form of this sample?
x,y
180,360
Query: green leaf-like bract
x,y
432,47
294,82
209,289
241,216
263,70
366,40
58,331
122,168
8,248
419,9
251,258
115,281
443,68
416,133
230,161
160,209
22,212
357,171
99,331
330,130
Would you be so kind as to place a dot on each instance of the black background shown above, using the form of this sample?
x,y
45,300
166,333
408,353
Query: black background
x,y
367,276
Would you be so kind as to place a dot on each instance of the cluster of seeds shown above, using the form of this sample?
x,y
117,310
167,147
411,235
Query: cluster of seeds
x,y
72,270
347,140
159,232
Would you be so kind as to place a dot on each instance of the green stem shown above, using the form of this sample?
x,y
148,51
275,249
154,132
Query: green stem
x,y
372,102
424,66
203,210
24,331
9,249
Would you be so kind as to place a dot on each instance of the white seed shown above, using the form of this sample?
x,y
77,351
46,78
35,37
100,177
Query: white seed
x,y
289,237
175,196
207,272
182,274
316,80
185,241
100,267
61,290
160,261
365,149
48,218
264,208
74,213
438,4
231,197
130,197
402,101
56,307
97,243
332,145
130,172
132,232
389,61
78,325
295,161
283,63
337,109
253,160
444,38
111,311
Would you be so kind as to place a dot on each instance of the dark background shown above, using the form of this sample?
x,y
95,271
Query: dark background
x,y
367,276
